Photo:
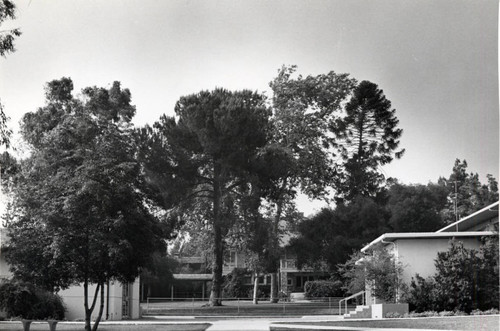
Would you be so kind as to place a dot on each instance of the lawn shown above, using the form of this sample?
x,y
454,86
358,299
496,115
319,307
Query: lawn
x,y
108,327
479,322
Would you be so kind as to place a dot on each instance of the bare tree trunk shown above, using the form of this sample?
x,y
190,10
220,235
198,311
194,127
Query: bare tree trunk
x,y
101,309
256,288
216,292
89,310
274,283
86,305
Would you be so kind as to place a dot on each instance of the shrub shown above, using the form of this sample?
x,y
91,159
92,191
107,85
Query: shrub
x,y
323,289
466,278
446,313
492,311
464,281
421,295
23,300
393,315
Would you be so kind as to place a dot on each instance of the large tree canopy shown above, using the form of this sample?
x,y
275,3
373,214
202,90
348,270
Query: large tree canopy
x,y
80,212
299,156
369,138
204,161
416,208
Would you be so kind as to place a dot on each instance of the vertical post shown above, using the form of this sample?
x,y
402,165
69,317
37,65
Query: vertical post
x,y
192,307
238,306
172,292
203,291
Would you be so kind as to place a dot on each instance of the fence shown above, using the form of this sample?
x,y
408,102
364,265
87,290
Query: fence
x,y
239,307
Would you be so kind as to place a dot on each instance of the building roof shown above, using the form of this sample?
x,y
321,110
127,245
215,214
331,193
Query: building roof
x,y
193,276
391,237
461,228
464,224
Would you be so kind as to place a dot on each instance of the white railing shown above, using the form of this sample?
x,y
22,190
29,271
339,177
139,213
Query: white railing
x,y
363,298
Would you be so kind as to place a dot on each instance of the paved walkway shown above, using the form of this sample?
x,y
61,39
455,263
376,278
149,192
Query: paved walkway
x,y
251,323
217,323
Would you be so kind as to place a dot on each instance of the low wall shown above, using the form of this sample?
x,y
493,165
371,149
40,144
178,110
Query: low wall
x,y
380,310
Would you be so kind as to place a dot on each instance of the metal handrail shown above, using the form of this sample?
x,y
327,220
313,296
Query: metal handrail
x,y
362,293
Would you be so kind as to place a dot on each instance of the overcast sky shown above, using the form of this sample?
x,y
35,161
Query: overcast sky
x,y
436,60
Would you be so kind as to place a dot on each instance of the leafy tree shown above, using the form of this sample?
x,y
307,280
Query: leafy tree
x,y
369,138
466,194
7,11
81,213
299,155
330,236
416,208
201,160
380,270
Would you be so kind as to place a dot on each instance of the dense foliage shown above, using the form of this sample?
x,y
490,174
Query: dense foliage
x,y
380,270
19,299
466,193
328,237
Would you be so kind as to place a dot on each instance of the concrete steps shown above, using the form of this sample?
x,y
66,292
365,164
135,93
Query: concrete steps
x,y
359,312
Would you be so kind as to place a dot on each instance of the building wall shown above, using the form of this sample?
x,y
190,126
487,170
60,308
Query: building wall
x,y
113,310
418,255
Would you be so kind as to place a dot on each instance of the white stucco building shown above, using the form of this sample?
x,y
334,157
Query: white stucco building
x,y
417,251
121,301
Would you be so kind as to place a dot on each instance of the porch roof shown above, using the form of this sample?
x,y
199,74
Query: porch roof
x,y
193,276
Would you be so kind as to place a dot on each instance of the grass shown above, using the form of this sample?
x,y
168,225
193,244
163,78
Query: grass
x,y
479,322
104,327
240,308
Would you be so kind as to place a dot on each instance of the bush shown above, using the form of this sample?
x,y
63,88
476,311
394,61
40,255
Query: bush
x,y
466,278
421,296
492,311
464,281
23,300
323,289
393,315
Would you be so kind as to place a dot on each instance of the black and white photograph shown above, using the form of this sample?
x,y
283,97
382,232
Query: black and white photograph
x,y
249,165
